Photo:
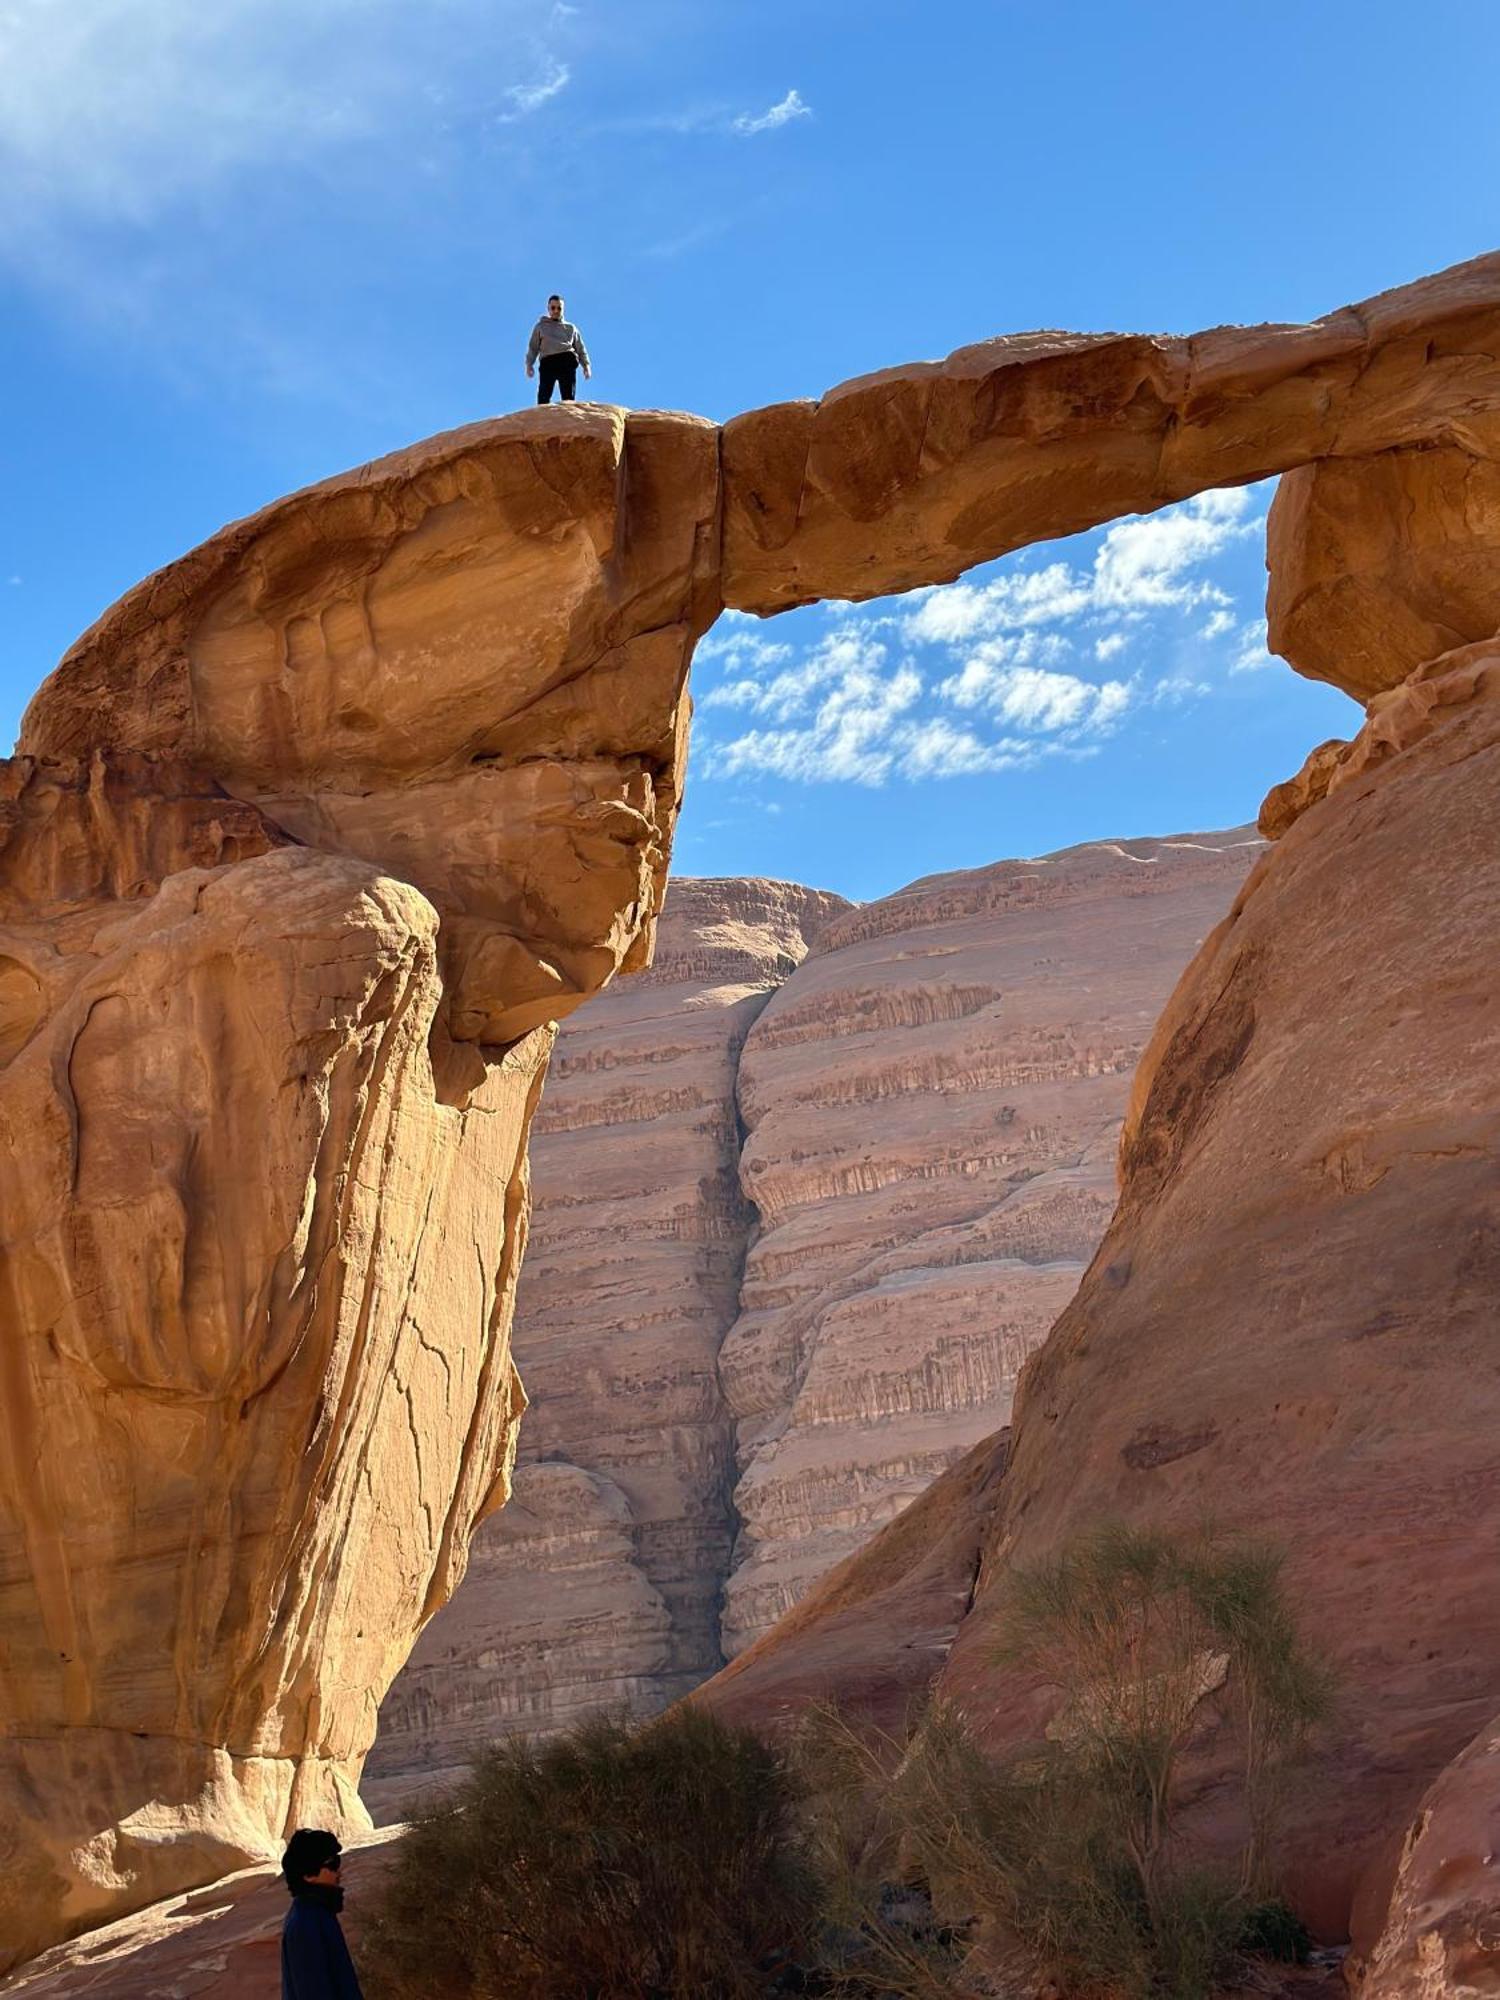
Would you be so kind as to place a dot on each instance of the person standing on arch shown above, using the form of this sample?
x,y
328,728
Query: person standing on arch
x,y
558,345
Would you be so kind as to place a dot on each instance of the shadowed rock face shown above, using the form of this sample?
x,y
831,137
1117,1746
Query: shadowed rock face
x,y
931,1106
1289,1324
313,835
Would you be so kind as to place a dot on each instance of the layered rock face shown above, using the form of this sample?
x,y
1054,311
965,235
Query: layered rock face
x,y
316,832
911,1130
308,841
599,1584
931,1106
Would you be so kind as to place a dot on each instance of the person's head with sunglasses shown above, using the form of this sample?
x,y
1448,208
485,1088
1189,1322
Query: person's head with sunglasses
x,y
315,1961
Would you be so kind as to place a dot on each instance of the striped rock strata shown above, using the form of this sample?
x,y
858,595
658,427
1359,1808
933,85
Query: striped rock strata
x,y
930,1100
599,1584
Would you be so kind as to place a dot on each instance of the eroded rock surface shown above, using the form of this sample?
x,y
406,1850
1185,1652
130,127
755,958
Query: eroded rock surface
x,y
308,842
914,474
932,1100
265,1110
1439,1935
1379,564
1289,1324
599,1585
931,1106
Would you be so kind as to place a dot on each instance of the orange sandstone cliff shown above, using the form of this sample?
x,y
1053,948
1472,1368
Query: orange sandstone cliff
x,y
313,835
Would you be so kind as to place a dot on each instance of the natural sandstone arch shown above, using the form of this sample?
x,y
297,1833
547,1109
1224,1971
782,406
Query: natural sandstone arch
x,y
307,841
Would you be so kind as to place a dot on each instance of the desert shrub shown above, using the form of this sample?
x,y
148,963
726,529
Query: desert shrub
x,y
1272,1930
1073,1847
1134,1629
653,1863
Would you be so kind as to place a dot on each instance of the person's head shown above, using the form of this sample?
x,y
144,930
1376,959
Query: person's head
x,y
555,306
312,1855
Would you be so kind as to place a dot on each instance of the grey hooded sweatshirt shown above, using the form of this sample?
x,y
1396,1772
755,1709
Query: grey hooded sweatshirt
x,y
556,336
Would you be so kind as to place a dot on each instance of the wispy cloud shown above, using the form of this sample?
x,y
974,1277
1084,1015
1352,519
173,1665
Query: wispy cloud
x,y
121,112
529,97
1140,566
790,107
1251,654
841,658
1146,563
847,736
1036,698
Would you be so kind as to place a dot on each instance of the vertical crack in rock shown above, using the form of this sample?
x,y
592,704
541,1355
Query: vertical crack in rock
x,y
977,1033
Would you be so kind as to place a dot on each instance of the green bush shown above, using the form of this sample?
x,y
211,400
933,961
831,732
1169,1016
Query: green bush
x,y
659,1863
1072,1848
687,1858
1271,1930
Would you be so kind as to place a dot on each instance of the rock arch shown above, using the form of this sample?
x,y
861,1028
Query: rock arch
x,y
310,838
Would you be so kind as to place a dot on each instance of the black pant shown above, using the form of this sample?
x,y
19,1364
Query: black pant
x,y
563,370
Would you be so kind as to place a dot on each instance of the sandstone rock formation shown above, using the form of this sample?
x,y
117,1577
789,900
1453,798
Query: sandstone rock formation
x,y
932,1101
264,1175
308,840
1377,564
932,1106
1290,1320
914,474
1439,1921
599,1584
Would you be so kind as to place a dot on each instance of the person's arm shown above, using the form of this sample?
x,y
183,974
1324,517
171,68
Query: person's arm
x,y
343,1982
304,1959
533,349
581,351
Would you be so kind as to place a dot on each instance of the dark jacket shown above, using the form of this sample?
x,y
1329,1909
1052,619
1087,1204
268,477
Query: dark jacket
x,y
315,1961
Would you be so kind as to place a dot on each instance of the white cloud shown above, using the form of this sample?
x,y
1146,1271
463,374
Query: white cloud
x,y
115,110
846,737
1251,654
790,107
1174,689
955,611
1110,645
1037,699
1144,562
847,652
937,748
1217,625
1001,676
529,97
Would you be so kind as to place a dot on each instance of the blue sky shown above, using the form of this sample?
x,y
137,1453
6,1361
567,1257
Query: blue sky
x,y
244,245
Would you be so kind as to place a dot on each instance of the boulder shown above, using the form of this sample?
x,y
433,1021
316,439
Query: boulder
x,y
1379,564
